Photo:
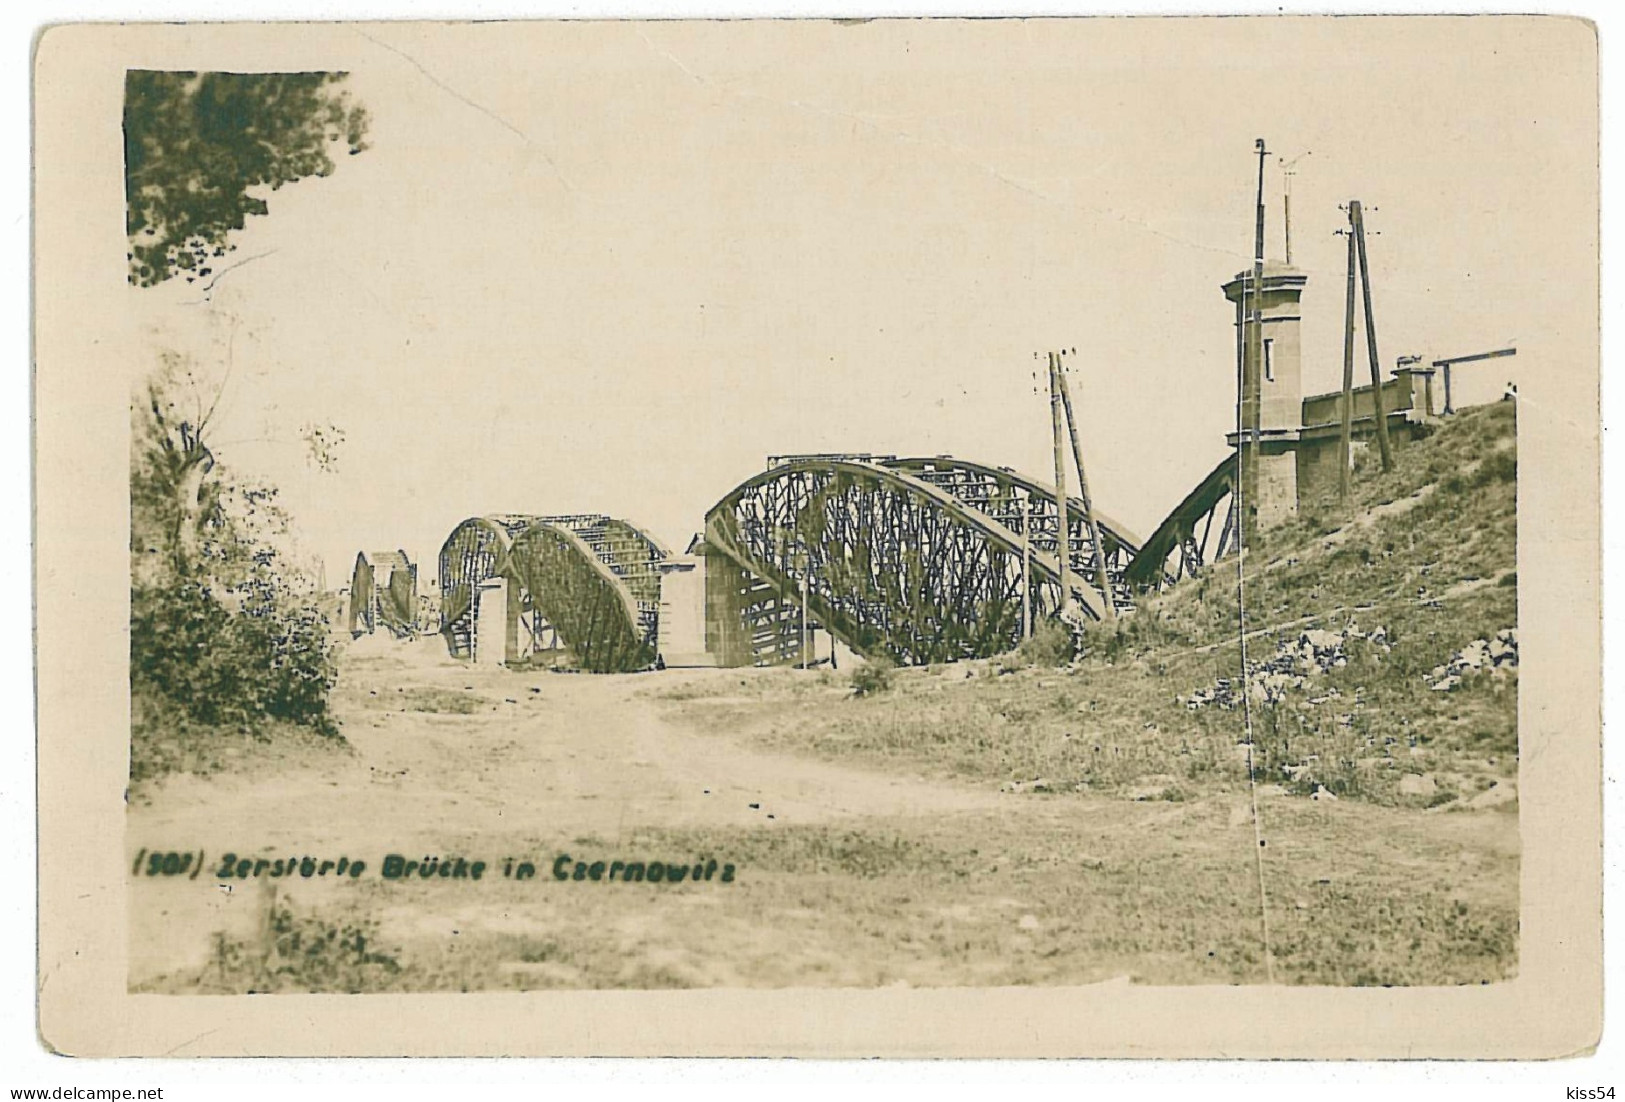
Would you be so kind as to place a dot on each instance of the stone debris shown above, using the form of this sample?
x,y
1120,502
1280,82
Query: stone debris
x,y
1307,765
1497,656
1313,652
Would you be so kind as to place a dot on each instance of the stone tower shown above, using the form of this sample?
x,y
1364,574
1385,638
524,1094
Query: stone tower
x,y
1271,393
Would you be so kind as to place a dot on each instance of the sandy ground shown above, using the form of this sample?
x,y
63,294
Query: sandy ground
x,y
846,876
545,759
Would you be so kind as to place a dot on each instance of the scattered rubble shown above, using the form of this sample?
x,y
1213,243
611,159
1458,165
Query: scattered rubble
x,y
1315,651
1496,655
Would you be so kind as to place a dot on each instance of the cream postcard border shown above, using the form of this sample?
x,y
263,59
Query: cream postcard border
x,y
82,386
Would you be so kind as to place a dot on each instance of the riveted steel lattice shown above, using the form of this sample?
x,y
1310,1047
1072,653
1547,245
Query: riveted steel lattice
x,y
477,549
361,605
893,565
1018,502
588,582
1175,551
592,608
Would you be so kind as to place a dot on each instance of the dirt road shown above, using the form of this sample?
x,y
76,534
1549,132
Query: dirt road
x,y
776,869
450,758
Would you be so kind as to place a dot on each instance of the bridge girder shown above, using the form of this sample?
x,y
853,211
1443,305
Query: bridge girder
x,y
1180,547
1015,501
589,581
912,559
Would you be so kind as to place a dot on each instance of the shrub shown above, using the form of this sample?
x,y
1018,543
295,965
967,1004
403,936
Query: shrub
x,y
873,676
308,952
1050,644
226,635
218,667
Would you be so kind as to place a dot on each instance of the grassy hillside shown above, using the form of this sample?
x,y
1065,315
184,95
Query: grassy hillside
x,y
1381,645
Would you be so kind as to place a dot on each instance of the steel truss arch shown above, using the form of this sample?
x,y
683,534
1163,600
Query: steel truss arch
x,y
1175,550
1019,502
892,564
591,605
476,550
588,580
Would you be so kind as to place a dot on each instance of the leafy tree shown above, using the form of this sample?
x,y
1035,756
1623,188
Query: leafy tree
x,y
170,491
197,144
224,632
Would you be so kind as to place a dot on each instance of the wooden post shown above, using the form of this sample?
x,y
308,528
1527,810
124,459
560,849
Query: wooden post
x,y
1101,578
781,641
1026,568
1063,535
1253,327
1345,440
1371,338
1233,521
1286,218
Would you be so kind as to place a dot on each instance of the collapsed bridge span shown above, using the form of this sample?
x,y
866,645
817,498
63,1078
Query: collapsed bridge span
x,y
916,560
583,589
1175,551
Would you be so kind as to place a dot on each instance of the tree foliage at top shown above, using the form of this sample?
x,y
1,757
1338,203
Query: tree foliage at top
x,y
197,144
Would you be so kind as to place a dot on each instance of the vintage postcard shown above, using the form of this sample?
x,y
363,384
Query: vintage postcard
x,y
1017,537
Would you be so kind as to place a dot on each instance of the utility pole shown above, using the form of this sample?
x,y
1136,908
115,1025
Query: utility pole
x,y
1241,494
781,561
1357,221
1063,534
805,630
1345,440
1101,578
1026,568
1254,326
1286,199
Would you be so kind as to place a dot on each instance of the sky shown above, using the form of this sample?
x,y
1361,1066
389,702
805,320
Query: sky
x,y
612,267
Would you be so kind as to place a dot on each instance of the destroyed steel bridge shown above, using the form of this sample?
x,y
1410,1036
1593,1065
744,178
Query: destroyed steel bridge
x,y
916,560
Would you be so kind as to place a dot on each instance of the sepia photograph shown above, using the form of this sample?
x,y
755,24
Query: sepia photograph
x,y
838,505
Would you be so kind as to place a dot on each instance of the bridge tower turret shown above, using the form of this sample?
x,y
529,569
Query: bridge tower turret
x,y
1271,391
